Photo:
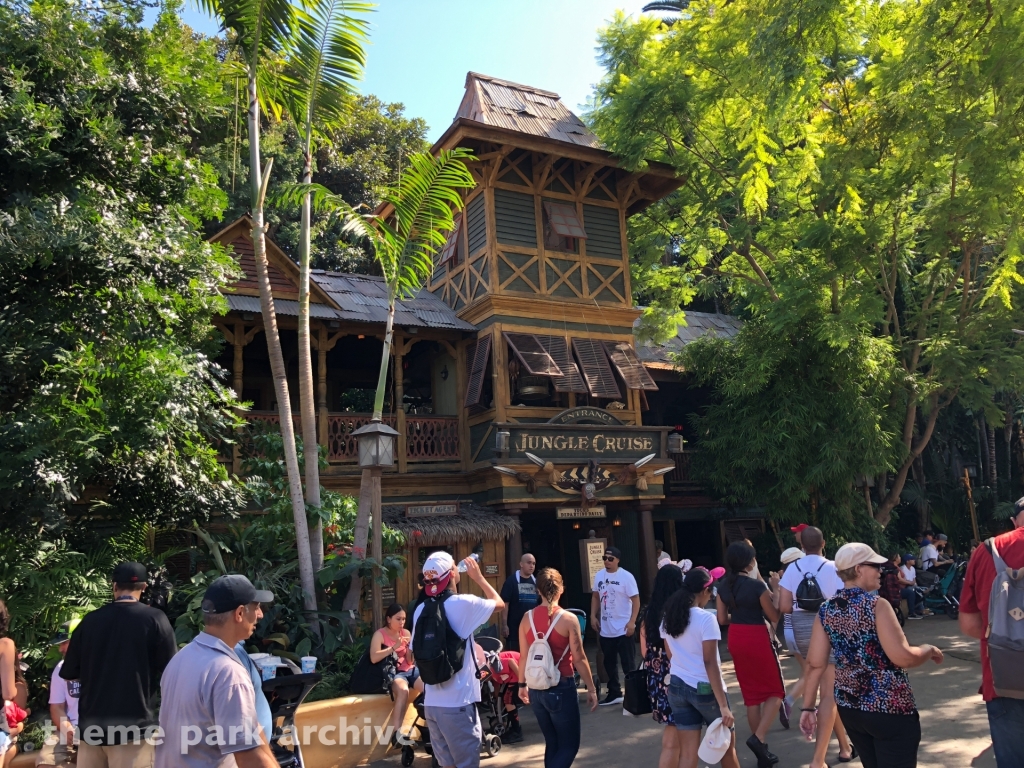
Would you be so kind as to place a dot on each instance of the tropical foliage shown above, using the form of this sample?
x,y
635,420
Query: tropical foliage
x,y
109,287
852,185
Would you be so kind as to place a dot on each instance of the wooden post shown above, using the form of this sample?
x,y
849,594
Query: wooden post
x,y
499,373
398,405
970,503
648,563
237,385
670,536
376,545
321,395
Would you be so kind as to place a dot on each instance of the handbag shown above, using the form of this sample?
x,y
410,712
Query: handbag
x,y
636,700
368,678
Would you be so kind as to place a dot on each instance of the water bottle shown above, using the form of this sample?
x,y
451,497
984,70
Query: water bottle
x,y
462,563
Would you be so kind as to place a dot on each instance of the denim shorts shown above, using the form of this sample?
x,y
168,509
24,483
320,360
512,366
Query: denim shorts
x,y
691,711
410,676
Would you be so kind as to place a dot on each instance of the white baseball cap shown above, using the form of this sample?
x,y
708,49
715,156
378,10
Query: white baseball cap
x,y
438,564
715,743
791,555
855,553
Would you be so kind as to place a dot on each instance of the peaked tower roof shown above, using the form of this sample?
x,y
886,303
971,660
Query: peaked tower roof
x,y
522,108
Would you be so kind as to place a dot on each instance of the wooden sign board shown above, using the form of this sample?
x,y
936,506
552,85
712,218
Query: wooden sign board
x,y
388,594
490,569
591,552
577,513
432,510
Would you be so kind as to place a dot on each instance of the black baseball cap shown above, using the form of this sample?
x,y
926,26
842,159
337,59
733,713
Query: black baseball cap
x,y
130,573
614,552
226,593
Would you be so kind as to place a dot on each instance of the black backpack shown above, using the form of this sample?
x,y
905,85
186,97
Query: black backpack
x,y
440,652
808,593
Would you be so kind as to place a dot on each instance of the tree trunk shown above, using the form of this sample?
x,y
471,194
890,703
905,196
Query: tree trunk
x,y
362,528
993,468
1008,440
979,425
277,367
883,513
307,404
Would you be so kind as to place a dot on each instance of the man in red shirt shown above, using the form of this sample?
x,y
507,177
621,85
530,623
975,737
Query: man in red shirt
x,y
1005,715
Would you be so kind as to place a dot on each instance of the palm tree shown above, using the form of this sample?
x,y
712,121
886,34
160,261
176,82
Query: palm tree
x,y
324,56
260,29
416,216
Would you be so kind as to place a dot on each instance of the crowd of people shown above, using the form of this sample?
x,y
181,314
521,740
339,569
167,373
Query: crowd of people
x,y
837,617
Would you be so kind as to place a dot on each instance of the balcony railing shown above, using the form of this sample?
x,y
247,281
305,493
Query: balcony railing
x,y
427,438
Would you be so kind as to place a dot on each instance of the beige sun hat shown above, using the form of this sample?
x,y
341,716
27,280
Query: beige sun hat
x,y
791,554
855,553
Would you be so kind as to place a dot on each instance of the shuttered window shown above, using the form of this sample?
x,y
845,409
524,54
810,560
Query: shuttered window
x,y
570,380
604,236
514,218
476,224
532,355
596,372
477,355
564,220
632,371
452,244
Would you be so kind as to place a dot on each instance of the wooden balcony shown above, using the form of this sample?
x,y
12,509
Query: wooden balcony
x,y
427,438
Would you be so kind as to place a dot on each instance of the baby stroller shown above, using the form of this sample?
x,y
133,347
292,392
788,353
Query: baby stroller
x,y
944,595
494,720
285,693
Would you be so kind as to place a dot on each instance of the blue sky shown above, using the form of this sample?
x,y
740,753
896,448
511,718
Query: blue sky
x,y
421,49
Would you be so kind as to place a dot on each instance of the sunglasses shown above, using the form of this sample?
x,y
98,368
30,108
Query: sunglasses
x,y
609,558
876,566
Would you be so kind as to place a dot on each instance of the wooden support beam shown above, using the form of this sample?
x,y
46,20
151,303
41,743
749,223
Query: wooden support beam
x,y
648,563
458,353
321,374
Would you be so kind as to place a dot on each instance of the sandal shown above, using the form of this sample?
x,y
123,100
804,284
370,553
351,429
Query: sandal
x,y
853,755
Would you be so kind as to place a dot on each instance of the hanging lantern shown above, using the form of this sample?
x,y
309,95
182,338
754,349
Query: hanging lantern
x,y
376,445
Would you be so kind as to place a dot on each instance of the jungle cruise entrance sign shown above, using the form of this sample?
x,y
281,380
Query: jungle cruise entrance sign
x,y
585,433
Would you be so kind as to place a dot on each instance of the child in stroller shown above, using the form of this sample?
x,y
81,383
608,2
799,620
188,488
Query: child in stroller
x,y
498,673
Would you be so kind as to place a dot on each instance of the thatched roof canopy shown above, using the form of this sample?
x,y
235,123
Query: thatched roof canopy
x,y
472,523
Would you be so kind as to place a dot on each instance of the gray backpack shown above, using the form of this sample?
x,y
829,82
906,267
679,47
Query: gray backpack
x,y
1006,627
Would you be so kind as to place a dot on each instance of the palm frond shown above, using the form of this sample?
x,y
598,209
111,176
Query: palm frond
x,y
325,55
259,26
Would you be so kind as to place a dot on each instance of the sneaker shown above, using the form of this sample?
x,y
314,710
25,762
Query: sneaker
x,y
514,736
915,617
785,711
612,698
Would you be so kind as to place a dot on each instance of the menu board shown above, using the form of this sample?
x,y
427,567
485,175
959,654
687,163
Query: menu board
x,y
591,552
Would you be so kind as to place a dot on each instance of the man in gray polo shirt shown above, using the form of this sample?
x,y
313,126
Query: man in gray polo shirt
x,y
208,706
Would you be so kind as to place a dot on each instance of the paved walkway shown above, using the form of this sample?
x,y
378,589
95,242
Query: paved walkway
x,y
954,724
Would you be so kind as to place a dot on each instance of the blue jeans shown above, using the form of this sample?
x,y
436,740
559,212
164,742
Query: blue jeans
x,y
1006,721
558,715
915,601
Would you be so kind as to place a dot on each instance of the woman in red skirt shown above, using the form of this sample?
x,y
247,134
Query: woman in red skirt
x,y
746,603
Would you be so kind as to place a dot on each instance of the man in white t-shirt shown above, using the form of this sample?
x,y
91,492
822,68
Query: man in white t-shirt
x,y
614,606
450,707
63,705
814,563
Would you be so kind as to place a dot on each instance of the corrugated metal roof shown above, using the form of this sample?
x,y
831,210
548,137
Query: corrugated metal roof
x,y
363,299
698,324
522,108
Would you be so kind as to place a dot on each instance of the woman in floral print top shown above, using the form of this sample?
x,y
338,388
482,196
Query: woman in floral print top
x,y
872,688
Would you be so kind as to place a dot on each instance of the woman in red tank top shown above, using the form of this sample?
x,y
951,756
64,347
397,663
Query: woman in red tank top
x,y
557,708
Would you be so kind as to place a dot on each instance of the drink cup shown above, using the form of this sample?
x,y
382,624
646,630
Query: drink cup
x,y
268,671
308,664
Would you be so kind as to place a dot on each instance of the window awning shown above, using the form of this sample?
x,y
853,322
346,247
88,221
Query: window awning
x,y
594,363
564,220
532,354
452,243
632,371
570,380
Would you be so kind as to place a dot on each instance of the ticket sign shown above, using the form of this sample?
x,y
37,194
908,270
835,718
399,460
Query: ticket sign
x,y
431,510
577,513
591,554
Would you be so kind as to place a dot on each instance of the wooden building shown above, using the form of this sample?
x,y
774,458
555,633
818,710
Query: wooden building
x,y
516,384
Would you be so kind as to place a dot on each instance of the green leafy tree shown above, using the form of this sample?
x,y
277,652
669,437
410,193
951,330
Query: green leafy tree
x,y
858,160
109,399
